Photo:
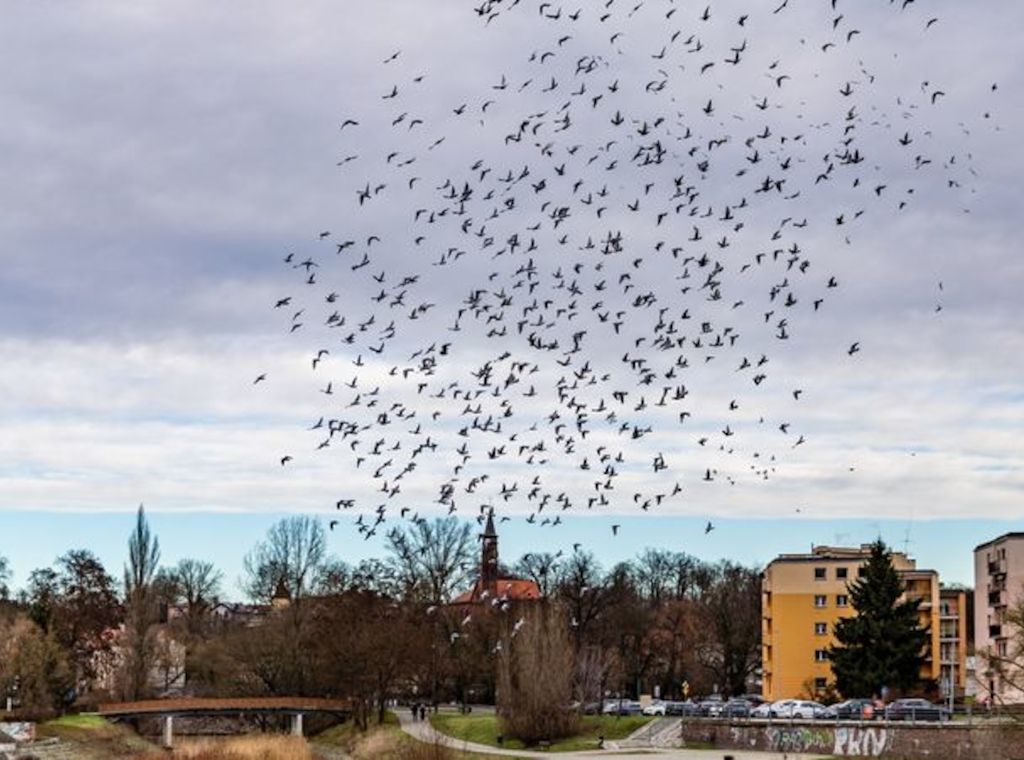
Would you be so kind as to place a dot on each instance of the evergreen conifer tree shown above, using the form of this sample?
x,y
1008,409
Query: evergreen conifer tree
x,y
883,644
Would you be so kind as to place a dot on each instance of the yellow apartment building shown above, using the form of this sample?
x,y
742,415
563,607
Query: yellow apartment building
x,y
804,595
954,620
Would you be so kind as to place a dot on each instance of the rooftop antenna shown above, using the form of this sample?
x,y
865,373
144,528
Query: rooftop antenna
x,y
906,534
906,540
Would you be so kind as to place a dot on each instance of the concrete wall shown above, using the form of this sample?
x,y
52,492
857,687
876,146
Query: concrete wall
x,y
895,741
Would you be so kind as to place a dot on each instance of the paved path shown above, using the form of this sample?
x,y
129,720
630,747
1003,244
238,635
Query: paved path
x,y
423,731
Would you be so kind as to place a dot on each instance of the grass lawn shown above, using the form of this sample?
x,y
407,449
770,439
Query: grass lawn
x,y
93,737
82,720
385,741
483,729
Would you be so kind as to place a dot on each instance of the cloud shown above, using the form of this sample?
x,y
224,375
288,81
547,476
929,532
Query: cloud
x,y
169,157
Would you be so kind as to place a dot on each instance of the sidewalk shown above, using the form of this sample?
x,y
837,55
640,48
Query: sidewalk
x,y
423,731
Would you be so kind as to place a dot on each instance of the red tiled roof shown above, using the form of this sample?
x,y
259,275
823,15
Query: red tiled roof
x,y
511,589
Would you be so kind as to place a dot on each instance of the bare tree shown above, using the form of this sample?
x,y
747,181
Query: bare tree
x,y
5,575
197,585
141,608
583,593
293,554
731,650
1007,664
434,557
594,668
654,573
535,677
540,567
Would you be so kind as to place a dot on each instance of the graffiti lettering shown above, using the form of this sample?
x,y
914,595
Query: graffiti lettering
x,y
861,742
798,739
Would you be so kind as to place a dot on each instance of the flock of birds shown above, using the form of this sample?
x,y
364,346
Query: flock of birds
x,y
542,289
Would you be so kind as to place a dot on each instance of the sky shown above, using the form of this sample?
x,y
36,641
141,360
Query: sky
x,y
162,160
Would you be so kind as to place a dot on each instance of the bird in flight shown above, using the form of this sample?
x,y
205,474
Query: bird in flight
x,y
566,261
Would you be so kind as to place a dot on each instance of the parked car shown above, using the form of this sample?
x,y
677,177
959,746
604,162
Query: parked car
x,y
621,707
736,708
657,707
592,708
712,706
850,709
689,707
915,709
780,708
798,708
763,710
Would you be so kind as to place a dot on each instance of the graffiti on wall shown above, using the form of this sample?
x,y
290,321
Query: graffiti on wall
x,y
798,739
20,732
861,742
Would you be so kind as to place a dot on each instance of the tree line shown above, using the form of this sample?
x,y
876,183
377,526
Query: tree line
x,y
375,630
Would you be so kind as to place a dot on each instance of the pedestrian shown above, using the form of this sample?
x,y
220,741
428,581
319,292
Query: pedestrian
x,y
415,707
423,712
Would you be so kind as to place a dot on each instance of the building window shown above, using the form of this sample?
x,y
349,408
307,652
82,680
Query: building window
x,y
820,573
820,655
841,573
819,600
861,571
842,600
820,629
820,684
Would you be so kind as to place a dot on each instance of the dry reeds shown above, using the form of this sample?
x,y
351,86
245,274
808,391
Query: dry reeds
x,y
240,748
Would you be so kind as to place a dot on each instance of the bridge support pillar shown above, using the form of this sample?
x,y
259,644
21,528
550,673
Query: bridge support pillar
x,y
297,724
168,732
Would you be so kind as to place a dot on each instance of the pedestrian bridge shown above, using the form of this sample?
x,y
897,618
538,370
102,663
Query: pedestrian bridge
x,y
169,709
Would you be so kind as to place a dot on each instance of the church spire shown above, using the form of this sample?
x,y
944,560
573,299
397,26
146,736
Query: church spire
x,y
489,555
489,531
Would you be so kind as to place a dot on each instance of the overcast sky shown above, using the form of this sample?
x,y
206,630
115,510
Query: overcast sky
x,y
161,160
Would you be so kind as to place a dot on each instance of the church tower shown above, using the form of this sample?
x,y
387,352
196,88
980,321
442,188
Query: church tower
x,y
489,555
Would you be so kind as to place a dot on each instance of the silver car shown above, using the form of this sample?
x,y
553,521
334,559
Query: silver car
x,y
798,708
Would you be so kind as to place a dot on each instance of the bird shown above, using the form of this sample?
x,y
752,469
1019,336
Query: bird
x,y
708,528
579,359
260,378
285,460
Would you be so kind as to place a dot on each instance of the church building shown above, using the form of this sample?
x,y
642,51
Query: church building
x,y
492,583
